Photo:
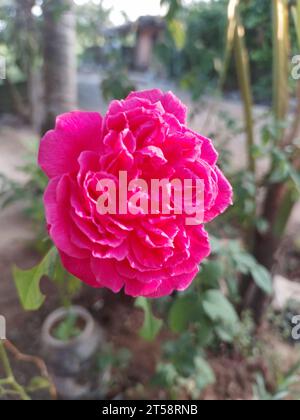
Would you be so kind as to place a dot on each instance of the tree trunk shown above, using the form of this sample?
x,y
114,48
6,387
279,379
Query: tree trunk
x,y
25,41
59,60
18,104
265,248
278,205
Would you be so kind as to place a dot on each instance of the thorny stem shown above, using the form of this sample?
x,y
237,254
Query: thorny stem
x,y
10,379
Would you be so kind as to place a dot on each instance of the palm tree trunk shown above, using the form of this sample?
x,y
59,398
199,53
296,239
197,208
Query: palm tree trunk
x,y
59,59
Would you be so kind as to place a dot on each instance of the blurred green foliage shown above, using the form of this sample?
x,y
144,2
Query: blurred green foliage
x,y
117,86
19,38
91,20
29,191
204,319
116,82
286,388
196,65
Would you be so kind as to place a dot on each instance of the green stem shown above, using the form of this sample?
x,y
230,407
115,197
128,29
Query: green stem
x,y
244,78
281,48
243,70
5,362
10,378
284,213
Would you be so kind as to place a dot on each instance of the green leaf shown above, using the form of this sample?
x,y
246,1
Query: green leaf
x,y
38,383
28,282
222,313
177,30
224,334
184,311
204,374
262,278
217,307
245,264
282,168
216,245
233,287
260,390
211,274
165,376
152,325
205,332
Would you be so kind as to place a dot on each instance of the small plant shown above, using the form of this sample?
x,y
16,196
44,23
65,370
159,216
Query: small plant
x,y
184,369
245,341
114,363
287,386
68,328
203,318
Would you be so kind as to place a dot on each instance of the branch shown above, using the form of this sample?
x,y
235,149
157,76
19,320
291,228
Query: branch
x,y
39,363
10,378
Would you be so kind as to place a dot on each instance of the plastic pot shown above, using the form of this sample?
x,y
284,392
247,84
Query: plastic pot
x,y
72,363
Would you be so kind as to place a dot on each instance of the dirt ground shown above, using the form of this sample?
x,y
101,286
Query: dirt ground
x,y
117,315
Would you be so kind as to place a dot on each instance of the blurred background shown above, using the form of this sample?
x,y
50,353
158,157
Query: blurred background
x,y
235,333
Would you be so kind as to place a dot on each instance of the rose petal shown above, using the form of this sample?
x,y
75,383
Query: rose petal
x,y
80,269
74,133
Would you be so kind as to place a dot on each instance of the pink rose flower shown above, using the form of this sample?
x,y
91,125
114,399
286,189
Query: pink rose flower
x,y
146,136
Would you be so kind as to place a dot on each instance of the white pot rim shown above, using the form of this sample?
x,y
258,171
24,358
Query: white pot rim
x,y
58,315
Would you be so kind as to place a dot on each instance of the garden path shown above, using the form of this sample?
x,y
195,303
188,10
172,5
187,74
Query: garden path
x,y
15,229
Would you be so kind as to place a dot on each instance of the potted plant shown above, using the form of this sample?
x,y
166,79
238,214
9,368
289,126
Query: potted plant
x,y
70,341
